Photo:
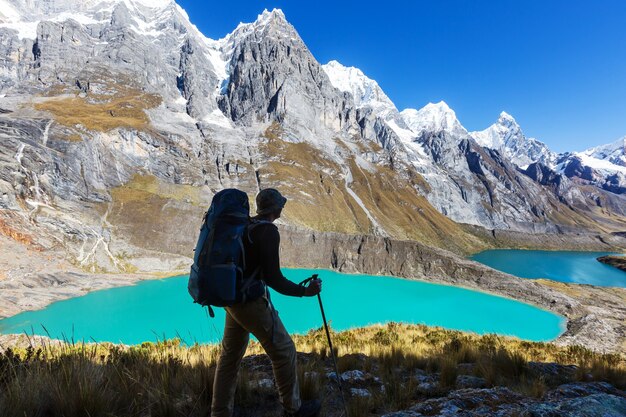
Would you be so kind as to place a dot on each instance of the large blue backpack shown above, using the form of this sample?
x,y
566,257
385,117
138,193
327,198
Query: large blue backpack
x,y
217,273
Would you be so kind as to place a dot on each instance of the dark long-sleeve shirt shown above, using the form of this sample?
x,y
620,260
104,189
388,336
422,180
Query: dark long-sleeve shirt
x,y
261,246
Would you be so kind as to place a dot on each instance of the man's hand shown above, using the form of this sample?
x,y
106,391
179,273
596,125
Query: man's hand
x,y
314,288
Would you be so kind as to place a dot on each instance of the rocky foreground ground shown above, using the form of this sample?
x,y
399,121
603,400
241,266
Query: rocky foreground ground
x,y
465,395
393,370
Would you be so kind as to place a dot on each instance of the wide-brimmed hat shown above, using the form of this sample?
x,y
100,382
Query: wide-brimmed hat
x,y
269,200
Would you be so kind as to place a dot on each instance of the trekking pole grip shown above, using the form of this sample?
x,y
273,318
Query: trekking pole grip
x,y
309,279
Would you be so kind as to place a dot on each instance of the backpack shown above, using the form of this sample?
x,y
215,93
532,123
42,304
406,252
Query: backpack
x,y
217,273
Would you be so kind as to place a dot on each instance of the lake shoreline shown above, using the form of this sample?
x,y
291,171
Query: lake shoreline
x,y
616,261
595,316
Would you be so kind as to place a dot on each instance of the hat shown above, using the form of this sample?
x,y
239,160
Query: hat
x,y
269,200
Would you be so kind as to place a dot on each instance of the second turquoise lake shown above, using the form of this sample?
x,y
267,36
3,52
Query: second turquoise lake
x,y
564,266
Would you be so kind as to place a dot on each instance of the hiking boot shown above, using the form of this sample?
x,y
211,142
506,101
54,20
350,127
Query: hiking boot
x,y
309,408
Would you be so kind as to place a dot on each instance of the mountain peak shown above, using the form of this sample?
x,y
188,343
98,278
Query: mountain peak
x,y
266,17
505,116
441,107
336,64
364,90
268,21
506,136
433,117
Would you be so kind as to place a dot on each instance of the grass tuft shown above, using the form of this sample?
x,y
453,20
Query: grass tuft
x,y
168,378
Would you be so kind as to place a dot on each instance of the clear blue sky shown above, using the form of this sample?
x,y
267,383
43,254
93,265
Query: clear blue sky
x,y
559,67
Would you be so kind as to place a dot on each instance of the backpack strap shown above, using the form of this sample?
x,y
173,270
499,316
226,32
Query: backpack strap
x,y
208,246
253,224
248,281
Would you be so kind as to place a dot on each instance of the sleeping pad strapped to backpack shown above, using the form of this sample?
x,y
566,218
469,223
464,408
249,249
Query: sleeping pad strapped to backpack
x,y
216,277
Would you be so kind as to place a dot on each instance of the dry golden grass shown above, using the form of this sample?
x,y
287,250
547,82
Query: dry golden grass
x,y
142,187
423,342
562,287
168,378
71,137
123,105
401,210
118,112
149,212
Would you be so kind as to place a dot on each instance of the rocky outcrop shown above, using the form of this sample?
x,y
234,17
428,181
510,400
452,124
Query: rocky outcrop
x,y
595,400
543,175
575,169
618,262
274,77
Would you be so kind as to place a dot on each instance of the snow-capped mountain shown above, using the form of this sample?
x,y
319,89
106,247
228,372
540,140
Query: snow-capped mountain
x,y
506,136
364,90
603,166
119,120
370,100
614,153
433,117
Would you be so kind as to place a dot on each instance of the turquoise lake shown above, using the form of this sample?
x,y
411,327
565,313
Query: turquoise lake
x,y
157,309
576,267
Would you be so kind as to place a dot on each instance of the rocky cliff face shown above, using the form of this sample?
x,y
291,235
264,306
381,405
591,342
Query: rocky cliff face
x,y
119,120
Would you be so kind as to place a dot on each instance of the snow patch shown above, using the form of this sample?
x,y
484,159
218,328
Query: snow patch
x,y
46,133
8,13
404,134
184,117
80,18
25,30
599,164
365,164
154,4
614,153
216,117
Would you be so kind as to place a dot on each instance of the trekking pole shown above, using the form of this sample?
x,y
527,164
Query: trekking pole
x,y
330,344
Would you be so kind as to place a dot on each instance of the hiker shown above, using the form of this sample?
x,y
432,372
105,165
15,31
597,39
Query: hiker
x,y
258,316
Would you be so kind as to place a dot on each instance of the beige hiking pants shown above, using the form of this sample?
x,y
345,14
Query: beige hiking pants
x,y
259,318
